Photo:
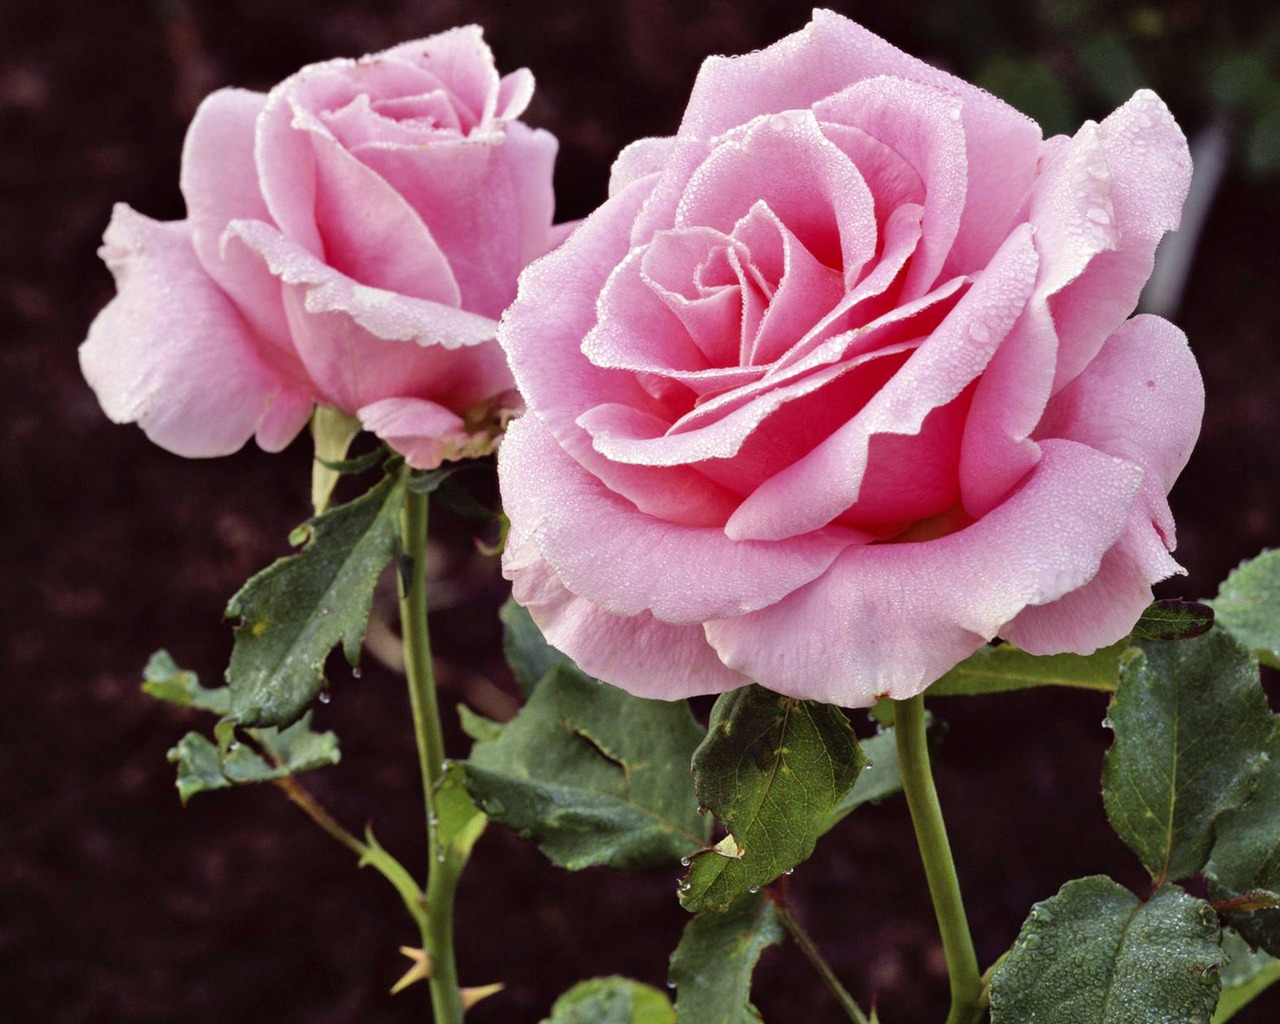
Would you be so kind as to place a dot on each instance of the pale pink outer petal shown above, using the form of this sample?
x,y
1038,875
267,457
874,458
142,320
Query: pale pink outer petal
x,y
361,344
815,489
1142,399
542,333
1102,202
172,353
639,160
462,60
487,204
831,53
1149,172
605,550
220,184
1105,608
638,653
423,432
892,618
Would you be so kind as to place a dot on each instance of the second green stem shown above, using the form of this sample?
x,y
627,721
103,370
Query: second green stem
x,y
442,876
939,867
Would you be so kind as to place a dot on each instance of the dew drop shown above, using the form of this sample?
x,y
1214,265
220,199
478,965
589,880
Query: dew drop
x,y
685,862
1144,120
355,672
980,333
233,745
789,871
325,697
324,611
955,113
671,984
753,888
1031,941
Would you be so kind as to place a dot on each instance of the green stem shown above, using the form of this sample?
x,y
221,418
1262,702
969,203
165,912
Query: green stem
x,y
801,937
939,867
442,875
290,787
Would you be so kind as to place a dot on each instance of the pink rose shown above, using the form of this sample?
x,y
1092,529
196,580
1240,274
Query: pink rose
x,y
838,384
351,239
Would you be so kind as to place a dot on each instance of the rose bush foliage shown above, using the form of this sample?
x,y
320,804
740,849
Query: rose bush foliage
x,y
839,384
351,239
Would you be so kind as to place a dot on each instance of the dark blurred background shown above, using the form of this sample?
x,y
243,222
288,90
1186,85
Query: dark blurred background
x,y
116,905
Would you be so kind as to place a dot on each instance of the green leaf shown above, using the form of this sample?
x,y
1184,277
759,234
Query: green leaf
x,y
1245,865
711,967
1191,728
878,780
295,611
1096,954
526,650
1005,667
164,680
594,775
1248,606
425,481
202,767
772,769
477,726
1246,976
1171,620
461,822
612,1000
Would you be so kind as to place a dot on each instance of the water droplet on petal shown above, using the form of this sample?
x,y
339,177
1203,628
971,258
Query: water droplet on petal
x,y
325,697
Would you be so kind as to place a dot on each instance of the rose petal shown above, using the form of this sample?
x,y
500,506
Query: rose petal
x,y
172,354
1141,399
423,432
604,550
922,125
463,61
363,344
1104,609
789,165
556,301
638,160
638,653
488,206
892,618
831,53
220,183
814,490
1149,166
